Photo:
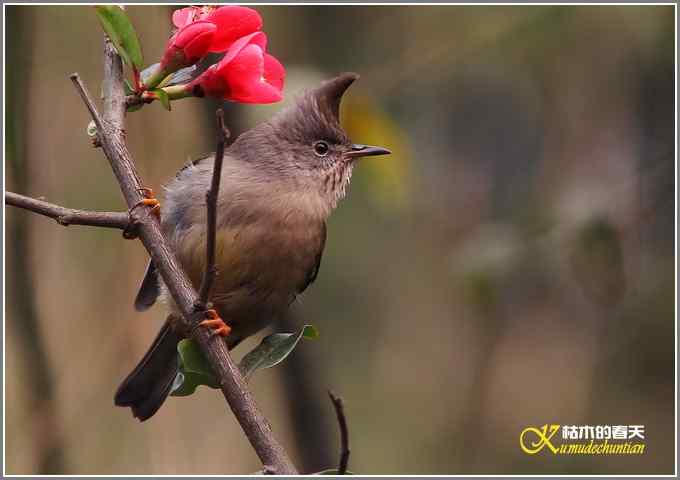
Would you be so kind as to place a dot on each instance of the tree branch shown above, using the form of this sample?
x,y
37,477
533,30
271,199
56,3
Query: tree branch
x,y
111,133
344,434
69,216
211,203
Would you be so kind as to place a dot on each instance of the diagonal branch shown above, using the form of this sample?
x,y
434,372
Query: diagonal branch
x,y
69,216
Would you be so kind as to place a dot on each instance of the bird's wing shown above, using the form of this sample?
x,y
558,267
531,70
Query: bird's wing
x,y
148,290
150,286
192,163
311,276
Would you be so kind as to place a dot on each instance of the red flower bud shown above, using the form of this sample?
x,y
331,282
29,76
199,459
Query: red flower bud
x,y
246,74
232,21
188,45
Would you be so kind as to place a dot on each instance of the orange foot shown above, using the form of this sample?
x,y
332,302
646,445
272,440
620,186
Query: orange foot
x,y
148,201
215,323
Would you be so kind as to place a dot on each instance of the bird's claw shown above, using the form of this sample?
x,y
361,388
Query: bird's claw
x,y
149,200
215,323
131,231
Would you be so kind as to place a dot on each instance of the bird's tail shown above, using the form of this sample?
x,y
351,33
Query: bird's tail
x,y
149,384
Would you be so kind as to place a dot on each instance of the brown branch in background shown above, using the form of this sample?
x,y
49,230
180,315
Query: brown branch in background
x,y
69,216
48,447
41,406
211,204
344,434
306,405
111,135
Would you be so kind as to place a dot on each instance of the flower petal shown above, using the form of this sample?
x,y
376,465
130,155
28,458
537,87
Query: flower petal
x,y
274,72
257,38
246,80
188,45
233,22
189,33
211,83
199,46
183,16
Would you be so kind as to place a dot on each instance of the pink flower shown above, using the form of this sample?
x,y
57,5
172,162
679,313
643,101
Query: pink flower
x,y
232,21
184,16
246,74
188,45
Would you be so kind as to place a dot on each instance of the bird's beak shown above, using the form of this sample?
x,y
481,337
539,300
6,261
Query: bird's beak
x,y
358,150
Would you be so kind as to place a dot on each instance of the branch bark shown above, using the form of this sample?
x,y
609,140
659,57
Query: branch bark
x,y
69,216
111,135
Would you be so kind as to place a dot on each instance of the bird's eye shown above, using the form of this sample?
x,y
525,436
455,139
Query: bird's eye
x,y
321,148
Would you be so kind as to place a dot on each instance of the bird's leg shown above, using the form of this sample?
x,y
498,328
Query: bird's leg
x,y
215,323
131,230
149,200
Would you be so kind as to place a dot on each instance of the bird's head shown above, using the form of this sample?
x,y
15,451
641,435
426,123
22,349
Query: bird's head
x,y
312,126
307,142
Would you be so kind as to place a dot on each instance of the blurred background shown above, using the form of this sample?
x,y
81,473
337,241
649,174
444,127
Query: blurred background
x,y
510,265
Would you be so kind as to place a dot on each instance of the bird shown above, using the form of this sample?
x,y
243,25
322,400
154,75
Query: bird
x,y
280,182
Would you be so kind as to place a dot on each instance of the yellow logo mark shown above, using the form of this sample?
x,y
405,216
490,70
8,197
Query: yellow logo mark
x,y
543,436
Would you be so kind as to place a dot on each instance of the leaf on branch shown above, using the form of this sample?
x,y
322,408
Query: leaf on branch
x,y
118,27
146,74
163,98
129,90
183,75
273,350
194,370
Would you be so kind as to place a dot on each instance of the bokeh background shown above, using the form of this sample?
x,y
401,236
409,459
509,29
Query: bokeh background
x,y
512,264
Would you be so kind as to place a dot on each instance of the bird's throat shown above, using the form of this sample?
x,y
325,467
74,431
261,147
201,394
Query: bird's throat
x,y
336,180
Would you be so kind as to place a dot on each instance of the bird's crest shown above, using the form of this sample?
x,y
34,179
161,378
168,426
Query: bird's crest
x,y
316,114
329,95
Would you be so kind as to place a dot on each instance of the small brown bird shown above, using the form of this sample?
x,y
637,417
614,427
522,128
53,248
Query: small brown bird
x,y
280,181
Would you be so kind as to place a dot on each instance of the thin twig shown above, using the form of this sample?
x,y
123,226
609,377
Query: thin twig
x,y
69,216
211,202
344,434
111,133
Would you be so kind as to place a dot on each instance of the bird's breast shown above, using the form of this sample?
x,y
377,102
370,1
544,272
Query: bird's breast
x,y
261,262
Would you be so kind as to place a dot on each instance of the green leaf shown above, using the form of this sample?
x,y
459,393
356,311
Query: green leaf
x,y
146,74
163,98
118,27
129,90
310,332
183,75
194,370
332,471
273,350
